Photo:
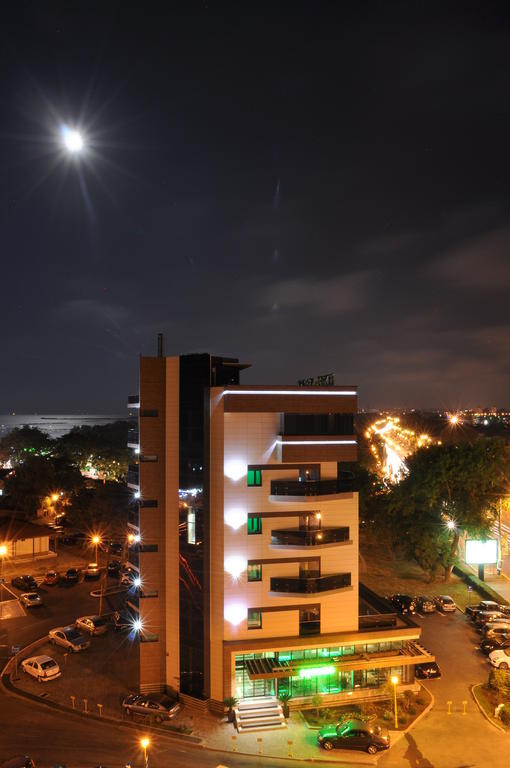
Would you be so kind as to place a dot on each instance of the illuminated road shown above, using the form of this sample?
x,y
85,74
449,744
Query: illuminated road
x,y
391,443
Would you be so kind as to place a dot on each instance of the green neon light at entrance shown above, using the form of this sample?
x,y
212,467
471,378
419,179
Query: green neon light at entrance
x,y
316,671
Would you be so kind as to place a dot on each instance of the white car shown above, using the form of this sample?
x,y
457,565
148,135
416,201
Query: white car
x,y
31,600
94,625
500,659
43,668
445,603
69,638
93,571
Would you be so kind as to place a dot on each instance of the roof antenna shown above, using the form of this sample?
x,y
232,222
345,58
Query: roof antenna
x,y
160,345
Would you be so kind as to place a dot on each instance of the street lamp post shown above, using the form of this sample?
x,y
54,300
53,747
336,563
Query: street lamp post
x,y
394,682
96,540
145,746
3,552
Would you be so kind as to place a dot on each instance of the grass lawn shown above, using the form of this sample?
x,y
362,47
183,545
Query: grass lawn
x,y
378,712
386,574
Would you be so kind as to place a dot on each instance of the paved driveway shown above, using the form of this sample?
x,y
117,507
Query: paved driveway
x,y
457,740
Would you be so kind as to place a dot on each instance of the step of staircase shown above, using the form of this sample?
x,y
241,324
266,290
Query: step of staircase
x,y
259,715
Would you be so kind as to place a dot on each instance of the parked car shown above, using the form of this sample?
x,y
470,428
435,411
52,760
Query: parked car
x,y
445,603
115,548
71,576
427,671
94,625
25,583
69,638
425,604
128,579
113,568
31,599
159,706
484,605
93,571
496,629
43,668
482,617
495,643
353,734
403,603
500,658
51,578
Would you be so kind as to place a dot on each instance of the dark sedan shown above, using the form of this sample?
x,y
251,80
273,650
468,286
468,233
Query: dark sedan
x,y
71,576
25,583
158,706
427,671
425,604
494,644
403,603
353,734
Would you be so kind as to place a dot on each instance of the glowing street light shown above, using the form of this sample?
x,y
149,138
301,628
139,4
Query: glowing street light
x,y
394,682
144,743
450,524
73,140
96,540
3,553
55,496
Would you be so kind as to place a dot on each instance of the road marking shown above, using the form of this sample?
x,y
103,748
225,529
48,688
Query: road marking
x,y
419,614
439,613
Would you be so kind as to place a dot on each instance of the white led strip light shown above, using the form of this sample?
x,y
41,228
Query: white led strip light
x,y
298,392
317,442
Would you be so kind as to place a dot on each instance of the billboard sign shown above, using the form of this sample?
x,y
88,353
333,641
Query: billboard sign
x,y
481,552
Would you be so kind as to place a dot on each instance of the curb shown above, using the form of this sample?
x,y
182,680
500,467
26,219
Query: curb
x,y
422,714
484,713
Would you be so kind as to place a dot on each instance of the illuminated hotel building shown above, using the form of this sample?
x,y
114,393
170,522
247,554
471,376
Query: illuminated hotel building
x,y
248,554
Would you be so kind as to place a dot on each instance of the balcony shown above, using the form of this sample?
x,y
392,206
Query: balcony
x,y
311,585
133,401
297,537
343,484
133,477
133,438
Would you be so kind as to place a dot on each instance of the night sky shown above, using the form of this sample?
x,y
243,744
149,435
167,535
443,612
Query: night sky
x,y
314,188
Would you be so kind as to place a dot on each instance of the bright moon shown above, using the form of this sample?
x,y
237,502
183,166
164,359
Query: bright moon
x,y
73,140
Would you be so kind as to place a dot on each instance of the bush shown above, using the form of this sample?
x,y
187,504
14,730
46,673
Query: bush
x,y
420,700
499,681
412,710
407,700
387,715
504,714
402,720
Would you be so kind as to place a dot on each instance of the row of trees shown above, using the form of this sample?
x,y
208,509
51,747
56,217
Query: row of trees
x,y
450,490
50,473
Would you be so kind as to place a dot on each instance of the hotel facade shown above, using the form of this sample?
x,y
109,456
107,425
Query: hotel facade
x,y
246,527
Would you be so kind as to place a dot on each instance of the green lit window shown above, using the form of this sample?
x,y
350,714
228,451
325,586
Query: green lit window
x,y
254,525
255,571
254,618
254,477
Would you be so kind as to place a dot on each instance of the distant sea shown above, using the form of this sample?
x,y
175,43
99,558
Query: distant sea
x,y
55,425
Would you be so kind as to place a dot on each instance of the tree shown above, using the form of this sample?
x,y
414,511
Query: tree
x,y
37,478
22,442
456,485
102,448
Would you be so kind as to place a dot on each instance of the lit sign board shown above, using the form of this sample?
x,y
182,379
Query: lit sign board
x,y
316,672
326,380
481,552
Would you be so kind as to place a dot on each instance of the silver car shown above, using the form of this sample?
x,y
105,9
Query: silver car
x,y
31,599
159,706
93,625
69,638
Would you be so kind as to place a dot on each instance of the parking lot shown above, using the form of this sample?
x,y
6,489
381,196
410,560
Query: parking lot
x,y
443,740
101,674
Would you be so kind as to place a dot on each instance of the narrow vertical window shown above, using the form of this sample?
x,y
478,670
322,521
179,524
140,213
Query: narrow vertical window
x,y
192,538
254,477
254,525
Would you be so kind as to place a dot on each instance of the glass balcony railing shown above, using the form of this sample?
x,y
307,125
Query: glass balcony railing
x,y
343,484
133,437
297,537
133,401
310,585
133,476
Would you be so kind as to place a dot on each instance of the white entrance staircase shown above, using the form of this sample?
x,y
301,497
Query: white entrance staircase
x,y
260,714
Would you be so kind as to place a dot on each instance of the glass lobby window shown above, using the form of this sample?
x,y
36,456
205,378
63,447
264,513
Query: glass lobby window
x,y
254,477
254,571
254,525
